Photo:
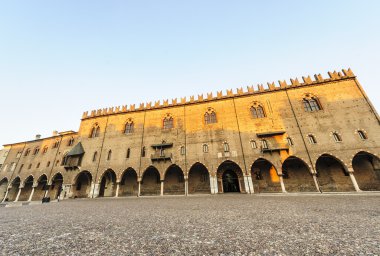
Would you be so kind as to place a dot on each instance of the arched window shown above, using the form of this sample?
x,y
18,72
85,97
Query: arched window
x,y
205,148
20,168
210,116
168,122
109,155
312,139
143,152
226,147
264,144
71,142
257,110
129,127
95,131
311,103
48,164
290,141
362,135
94,156
183,150
45,150
56,144
64,159
30,166
128,152
27,152
337,137
38,165
253,144
36,150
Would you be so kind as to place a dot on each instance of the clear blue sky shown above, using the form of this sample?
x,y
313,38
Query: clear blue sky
x,y
60,58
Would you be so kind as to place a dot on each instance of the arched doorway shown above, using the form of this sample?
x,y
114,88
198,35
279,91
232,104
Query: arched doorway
x,y
13,191
82,185
199,179
39,191
264,176
3,188
297,176
174,183
151,183
367,171
56,186
27,189
129,185
332,175
230,178
108,184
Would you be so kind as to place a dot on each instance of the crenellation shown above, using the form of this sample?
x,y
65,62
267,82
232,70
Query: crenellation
x,y
219,94
295,82
240,91
132,107
250,89
260,87
166,103
200,97
307,80
271,86
174,101
191,98
230,92
319,78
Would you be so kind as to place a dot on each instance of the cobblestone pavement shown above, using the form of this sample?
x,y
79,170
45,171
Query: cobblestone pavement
x,y
223,224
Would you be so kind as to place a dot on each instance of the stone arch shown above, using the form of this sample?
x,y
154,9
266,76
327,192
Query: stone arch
x,y
199,179
174,181
151,182
107,184
265,176
332,174
40,189
3,188
27,189
82,185
13,190
230,177
297,175
56,186
128,183
367,171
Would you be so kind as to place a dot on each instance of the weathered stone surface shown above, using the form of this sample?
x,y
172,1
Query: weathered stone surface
x,y
198,225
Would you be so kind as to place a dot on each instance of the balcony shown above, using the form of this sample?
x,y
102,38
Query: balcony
x,y
275,148
161,157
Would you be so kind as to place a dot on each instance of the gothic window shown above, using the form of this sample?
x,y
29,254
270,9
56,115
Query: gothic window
x,y
95,131
290,141
45,150
94,156
27,152
337,137
38,165
56,144
109,155
362,135
205,148
143,152
168,122
253,144
257,110
312,139
264,144
18,154
129,127
30,166
20,168
36,150
71,142
183,150
210,116
65,159
311,103
128,152
226,147
48,164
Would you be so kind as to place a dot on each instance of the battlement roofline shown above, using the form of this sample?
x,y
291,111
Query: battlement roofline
x,y
282,85
59,135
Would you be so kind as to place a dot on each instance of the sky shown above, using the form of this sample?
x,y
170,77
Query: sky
x,y
61,58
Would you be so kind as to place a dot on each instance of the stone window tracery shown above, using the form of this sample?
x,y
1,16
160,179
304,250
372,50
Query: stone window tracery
x,y
257,110
71,141
311,139
226,147
36,150
205,148
129,127
337,137
168,122
27,152
210,116
362,135
311,103
95,131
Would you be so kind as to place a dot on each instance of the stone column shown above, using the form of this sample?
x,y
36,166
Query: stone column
x,y
186,186
162,188
139,188
212,185
6,194
18,194
31,194
46,192
353,180
316,182
94,193
282,184
117,189
216,185
248,184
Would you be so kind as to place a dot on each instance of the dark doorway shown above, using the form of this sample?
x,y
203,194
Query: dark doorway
x,y
230,182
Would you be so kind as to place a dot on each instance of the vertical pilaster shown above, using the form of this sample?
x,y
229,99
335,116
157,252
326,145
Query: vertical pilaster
x,y
162,188
186,186
212,185
139,188
117,189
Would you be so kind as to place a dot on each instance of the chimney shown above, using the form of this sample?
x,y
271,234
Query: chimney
x,y
55,133
38,136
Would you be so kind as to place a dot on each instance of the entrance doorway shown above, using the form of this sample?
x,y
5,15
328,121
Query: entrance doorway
x,y
230,182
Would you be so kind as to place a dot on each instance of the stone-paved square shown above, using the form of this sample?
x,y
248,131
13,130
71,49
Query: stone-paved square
x,y
224,224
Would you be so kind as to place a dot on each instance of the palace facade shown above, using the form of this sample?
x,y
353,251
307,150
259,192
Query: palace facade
x,y
318,135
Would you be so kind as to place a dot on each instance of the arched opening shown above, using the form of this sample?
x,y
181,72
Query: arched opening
x,y
108,184
12,193
264,176
199,179
3,188
82,185
56,186
367,171
27,189
230,178
174,183
39,191
150,183
128,184
297,176
332,175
